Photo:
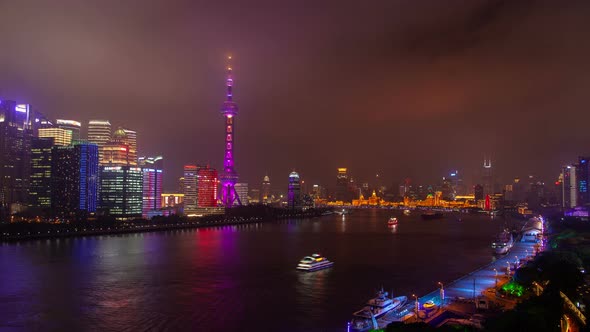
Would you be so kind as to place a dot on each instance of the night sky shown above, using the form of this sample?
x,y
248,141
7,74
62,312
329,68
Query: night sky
x,y
401,88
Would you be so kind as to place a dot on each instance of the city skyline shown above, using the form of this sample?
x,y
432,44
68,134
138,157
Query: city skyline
x,y
482,95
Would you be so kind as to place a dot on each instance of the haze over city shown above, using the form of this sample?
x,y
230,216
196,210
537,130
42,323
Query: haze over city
x,y
399,88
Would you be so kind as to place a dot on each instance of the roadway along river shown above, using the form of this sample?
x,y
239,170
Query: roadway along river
x,y
234,278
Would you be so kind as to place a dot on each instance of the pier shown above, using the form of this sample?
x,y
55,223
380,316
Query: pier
x,y
467,289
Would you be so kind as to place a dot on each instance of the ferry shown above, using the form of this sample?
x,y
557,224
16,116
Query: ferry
x,y
432,215
407,212
392,221
365,319
503,243
313,263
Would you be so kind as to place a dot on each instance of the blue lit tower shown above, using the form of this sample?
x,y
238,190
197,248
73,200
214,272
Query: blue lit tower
x,y
229,176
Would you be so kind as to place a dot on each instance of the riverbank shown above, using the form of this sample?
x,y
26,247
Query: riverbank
x,y
11,232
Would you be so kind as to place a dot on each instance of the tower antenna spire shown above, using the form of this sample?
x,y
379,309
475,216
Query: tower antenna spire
x,y
229,81
229,177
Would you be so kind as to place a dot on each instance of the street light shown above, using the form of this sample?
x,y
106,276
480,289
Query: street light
x,y
508,268
516,263
417,305
442,294
495,278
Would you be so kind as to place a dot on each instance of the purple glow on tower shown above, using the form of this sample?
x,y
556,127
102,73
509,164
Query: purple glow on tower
x,y
229,177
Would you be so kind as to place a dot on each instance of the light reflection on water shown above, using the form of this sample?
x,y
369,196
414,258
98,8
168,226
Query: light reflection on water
x,y
228,278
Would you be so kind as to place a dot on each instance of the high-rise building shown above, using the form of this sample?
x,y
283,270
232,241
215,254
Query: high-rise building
x,y
294,191
242,190
342,185
121,191
487,177
74,180
99,132
40,178
171,199
229,177
478,192
582,177
15,152
152,184
71,125
254,196
60,136
207,181
115,154
130,139
265,192
190,188
117,151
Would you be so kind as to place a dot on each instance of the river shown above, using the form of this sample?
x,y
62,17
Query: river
x,y
234,278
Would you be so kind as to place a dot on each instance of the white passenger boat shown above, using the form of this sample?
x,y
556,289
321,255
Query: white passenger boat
x,y
376,307
503,243
313,263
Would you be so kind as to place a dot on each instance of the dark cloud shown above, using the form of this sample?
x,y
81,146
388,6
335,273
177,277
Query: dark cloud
x,y
404,88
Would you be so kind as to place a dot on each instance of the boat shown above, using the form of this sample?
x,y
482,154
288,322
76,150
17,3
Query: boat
x,y
392,221
407,212
428,215
376,307
313,263
503,243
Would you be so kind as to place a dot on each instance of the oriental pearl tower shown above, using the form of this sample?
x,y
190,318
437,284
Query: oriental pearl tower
x,y
229,176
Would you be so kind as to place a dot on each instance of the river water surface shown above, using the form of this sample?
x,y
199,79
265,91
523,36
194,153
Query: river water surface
x,y
234,278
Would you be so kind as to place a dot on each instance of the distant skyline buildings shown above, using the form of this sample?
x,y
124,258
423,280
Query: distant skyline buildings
x,y
99,132
60,136
207,187
74,126
189,183
152,168
294,192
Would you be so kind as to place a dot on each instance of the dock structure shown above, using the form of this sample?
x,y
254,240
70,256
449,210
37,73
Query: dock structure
x,y
469,287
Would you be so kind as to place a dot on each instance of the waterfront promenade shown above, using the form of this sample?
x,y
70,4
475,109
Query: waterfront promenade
x,y
470,286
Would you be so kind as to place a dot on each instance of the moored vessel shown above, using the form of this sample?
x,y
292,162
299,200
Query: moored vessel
x,y
503,243
365,319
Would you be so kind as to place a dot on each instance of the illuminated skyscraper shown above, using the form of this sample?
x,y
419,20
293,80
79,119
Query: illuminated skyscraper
x,y
229,177
582,177
117,151
15,152
40,187
130,139
265,192
121,191
242,190
487,177
342,185
294,191
71,125
190,188
99,132
74,180
60,136
207,180
152,184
